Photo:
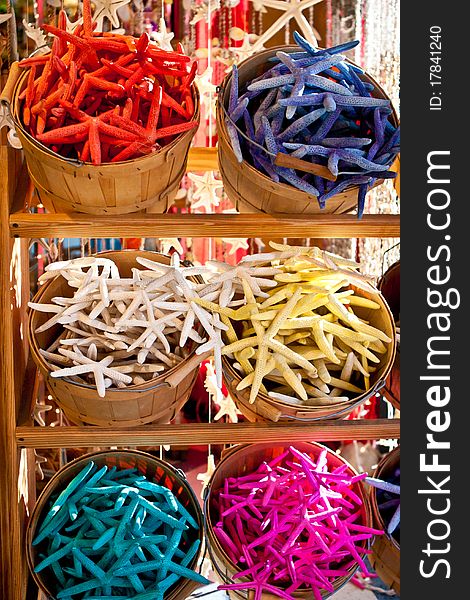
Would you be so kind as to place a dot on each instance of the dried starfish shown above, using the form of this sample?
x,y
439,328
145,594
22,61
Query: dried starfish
x,y
84,365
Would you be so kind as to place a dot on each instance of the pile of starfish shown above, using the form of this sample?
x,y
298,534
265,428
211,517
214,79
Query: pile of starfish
x,y
286,318
106,97
314,106
296,335
120,331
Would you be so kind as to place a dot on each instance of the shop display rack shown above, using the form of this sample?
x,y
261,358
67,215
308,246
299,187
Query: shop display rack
x,y
18,375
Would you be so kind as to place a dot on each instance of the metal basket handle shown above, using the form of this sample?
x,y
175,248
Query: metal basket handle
x,y
6,119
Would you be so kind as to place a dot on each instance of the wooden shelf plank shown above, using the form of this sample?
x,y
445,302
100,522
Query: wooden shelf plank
x,y
205,433
202,159
201,225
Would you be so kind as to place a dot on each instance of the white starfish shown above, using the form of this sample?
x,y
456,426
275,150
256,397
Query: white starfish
x,y
168,243
227,407
37,35
86,365
72,25
205,191
204,477
188,295
207,89
232,277
153,328
38,411
162,36
236,244
211,384
291,9
107,9
39,460
246,49
4,17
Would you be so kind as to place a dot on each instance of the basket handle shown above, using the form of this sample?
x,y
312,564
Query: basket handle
x,y
190,365
292,162
6,95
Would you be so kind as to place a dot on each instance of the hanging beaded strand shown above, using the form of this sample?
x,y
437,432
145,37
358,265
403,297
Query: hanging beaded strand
x,y
253,19
260,23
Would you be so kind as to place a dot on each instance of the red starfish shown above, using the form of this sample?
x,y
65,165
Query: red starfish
x,y
89,128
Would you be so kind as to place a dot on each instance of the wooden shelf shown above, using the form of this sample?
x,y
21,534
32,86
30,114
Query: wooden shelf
x,y
207,433
15,375
200,225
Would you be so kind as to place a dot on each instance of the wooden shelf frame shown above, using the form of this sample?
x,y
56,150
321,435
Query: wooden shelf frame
x,y
18,377
75,225
207,433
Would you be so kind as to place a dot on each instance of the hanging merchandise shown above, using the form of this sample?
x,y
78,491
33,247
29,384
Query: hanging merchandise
x,y
205,190
292,10
107,10
37,35
203,10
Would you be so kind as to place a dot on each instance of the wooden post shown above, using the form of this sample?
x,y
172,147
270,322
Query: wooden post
x,y
12,566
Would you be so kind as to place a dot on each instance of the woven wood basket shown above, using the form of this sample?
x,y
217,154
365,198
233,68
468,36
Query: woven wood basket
x,y
244,459
385,557
156,401
268,409
389,286
114,189
155,470
252,191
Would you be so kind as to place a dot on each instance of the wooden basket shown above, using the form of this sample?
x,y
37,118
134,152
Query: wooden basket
x,y
385,557
244,459
252,191
156,401
389,286
155,470
266,408
115,188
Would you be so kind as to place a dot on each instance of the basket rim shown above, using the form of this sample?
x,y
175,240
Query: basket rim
x,y
221,125
131,388
232,455
78,164
49,488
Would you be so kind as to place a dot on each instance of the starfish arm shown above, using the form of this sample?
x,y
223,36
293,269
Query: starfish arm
x,y
290,377
305,27
240,345
271,31
187,327
259,372
292,356
283,314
